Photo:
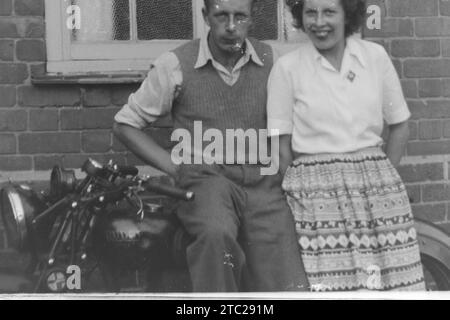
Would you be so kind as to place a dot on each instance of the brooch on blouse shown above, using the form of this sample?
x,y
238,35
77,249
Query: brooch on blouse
x,y
351,76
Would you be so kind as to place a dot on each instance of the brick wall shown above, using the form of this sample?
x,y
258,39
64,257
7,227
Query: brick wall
x,y
48,124
416,34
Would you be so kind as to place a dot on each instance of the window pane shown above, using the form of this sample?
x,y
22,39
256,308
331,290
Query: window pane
x,y
265,25
103,20
164,19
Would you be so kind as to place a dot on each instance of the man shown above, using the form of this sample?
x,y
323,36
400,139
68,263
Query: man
x,y
243,232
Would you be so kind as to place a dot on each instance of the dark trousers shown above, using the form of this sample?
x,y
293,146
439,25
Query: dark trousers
x,y
243,231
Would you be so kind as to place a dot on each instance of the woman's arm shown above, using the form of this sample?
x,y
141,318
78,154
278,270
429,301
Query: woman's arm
x,y
396,142
285,156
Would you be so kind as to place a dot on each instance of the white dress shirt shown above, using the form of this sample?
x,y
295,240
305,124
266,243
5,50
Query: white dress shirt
x,y
330,111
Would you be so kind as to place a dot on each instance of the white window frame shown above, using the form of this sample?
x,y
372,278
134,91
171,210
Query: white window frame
x,y
66,57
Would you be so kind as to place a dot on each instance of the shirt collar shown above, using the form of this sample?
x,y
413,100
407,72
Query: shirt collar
x,y
205,55
352,47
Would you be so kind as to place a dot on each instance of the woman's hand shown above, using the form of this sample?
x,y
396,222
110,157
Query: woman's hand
x,y
396,142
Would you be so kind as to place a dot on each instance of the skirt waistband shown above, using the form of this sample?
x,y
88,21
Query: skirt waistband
x,y
375,153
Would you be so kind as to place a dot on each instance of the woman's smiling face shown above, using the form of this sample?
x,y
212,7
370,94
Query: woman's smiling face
x,y
324,23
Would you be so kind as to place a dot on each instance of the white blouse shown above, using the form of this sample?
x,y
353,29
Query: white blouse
x,y
327,111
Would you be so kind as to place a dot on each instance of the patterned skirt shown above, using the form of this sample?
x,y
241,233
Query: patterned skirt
x,y
354,222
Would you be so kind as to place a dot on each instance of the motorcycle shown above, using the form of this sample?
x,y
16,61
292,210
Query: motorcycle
x,y
113,221
119,231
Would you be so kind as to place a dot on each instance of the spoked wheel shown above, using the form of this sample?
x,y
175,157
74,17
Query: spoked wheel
x,y
437,275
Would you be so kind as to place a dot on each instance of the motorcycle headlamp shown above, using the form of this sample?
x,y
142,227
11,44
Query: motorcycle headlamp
x,y
18,207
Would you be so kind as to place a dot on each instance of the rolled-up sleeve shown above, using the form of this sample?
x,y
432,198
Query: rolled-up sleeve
x,y
155,96
280,101
395,108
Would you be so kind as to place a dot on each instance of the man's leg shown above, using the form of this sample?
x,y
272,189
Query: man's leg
x,y
273,256
215,259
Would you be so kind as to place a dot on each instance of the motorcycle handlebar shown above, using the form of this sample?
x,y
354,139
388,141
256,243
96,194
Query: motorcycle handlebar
x,y
170,191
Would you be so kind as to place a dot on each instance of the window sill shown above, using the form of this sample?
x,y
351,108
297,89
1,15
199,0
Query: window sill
x,y
89,78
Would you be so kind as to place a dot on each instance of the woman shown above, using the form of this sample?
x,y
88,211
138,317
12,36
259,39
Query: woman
x,y
328,101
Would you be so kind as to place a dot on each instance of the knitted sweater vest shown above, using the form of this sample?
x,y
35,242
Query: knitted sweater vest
x,y
206,99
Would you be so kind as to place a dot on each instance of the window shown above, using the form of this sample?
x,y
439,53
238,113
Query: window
x,y
126,35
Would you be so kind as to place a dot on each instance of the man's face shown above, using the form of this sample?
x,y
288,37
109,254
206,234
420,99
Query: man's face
x,y
229,21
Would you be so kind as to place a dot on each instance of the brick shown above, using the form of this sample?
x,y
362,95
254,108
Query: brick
x,y
75,161
47,162
35,29
39,69
431,213
414,194
96,141
91,118
413,130
97,97
120,93
413,8
15,163
5,7
430,129
427,68
444,7
415,48
8,29
13,120
8,96
29,7
446,129
430,88
435,192
44,120
13,73
61,142
409,88
6,50
445,44
7,144
432,27
422,148
30,50
34,96
431,109
446,87
392,27
422,172
101,118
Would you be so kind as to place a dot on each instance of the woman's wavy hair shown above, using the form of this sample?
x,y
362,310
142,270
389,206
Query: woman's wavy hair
x,y
355,13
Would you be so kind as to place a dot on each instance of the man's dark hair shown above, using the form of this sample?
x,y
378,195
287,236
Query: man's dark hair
x,y
355,13
207,4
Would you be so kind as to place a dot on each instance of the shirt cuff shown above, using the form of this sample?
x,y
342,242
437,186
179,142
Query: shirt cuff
x,y
399,116
127,116
277,127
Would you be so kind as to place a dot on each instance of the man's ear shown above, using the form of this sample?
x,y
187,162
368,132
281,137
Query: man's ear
x,y
205,16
